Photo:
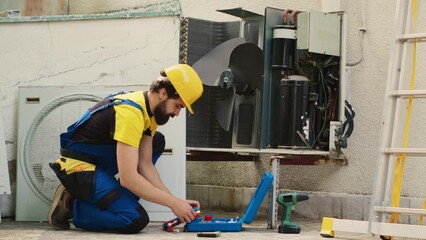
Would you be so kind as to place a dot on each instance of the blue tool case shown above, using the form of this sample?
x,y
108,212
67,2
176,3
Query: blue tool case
x,y
234,224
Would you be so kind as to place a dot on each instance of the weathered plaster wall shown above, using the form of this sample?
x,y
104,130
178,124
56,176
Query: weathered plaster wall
x,y
92,51
367,83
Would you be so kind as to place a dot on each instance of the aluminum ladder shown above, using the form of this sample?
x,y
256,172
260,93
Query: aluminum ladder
x,y
385,211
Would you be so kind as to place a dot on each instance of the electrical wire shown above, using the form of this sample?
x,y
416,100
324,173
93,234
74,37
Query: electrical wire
x,y
319,65
362,31
325,102
325,107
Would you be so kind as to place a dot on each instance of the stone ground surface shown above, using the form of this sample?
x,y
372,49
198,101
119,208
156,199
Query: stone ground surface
x,y
10,229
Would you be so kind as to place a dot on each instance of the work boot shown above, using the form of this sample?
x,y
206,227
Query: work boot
x,y
60,211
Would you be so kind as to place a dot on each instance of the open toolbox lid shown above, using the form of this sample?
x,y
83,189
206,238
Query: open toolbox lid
x,y
257,198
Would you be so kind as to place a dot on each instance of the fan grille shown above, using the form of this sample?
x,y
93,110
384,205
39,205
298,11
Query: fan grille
x,y
42,140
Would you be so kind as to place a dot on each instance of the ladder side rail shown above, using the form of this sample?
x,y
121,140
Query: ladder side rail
x,y
399,230
384,229
382,165
395,130
401,117
399,113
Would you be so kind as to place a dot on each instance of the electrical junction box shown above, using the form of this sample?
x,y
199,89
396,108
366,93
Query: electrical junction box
x,y
319,32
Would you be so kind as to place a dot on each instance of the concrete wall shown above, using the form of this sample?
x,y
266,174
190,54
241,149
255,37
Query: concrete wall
x,y
367,87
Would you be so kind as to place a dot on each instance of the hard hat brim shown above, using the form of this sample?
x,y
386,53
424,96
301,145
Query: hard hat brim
x,y
188,107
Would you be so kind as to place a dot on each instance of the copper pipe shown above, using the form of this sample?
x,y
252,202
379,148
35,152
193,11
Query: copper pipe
x,y
287,11
293,19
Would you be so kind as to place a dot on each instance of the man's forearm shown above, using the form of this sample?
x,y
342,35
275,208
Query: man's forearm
x,y
146,190
149,172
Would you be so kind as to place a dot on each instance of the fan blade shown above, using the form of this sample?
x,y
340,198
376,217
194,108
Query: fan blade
x,y
211,65
224,109
247,60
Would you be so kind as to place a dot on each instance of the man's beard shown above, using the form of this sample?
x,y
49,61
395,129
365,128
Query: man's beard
x,y
161,117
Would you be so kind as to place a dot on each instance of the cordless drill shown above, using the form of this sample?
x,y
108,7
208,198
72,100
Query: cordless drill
x,y
287,200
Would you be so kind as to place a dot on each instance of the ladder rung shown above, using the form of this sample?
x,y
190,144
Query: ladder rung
x,y
413,36
408,93
408,151
409,211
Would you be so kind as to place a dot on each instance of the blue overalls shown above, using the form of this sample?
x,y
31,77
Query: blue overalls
x,y
110,206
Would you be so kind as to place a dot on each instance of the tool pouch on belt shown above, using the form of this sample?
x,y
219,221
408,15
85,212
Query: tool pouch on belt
x,y
77,176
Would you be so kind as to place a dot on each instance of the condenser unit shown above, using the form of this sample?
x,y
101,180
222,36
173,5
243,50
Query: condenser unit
x,y
275,81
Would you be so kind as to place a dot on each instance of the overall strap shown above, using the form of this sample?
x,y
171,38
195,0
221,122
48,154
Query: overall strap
x,y
118,101
113,102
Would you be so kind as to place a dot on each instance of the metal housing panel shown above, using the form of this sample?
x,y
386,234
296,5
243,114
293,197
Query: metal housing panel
x,y
273,17
324,33
303,30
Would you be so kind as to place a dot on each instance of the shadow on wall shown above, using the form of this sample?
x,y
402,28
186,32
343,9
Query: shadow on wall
x,y
13,8
7,202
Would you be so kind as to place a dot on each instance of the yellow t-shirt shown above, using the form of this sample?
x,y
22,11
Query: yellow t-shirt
x,y
130,122
122,122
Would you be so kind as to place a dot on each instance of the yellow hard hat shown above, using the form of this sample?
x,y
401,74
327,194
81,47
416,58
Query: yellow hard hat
x,y
186,82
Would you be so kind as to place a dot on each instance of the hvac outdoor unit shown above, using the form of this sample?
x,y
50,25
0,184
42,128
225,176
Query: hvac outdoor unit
x,y
277,82
45,112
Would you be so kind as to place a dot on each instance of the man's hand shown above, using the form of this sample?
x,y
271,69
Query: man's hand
x,y
194,203
184,209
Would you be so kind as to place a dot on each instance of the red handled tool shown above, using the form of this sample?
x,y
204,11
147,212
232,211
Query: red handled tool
x,y
169,225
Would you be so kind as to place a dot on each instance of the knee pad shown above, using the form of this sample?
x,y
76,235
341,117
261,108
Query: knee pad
x,y
107,199
137,224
